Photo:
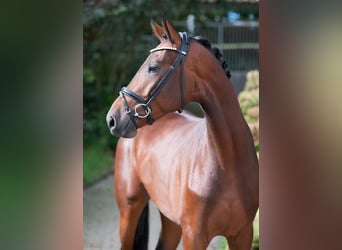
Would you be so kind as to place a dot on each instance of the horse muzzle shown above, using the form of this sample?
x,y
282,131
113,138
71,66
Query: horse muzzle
x,y
121,127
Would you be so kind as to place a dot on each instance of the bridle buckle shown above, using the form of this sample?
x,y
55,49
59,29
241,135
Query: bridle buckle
x,y
146,109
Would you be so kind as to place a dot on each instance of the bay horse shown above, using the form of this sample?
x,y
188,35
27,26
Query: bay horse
x,y
201,173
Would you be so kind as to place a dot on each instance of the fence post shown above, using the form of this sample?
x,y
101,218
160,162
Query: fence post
x,y
220,34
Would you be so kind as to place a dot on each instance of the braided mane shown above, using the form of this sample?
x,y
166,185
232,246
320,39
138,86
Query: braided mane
x,y
215,51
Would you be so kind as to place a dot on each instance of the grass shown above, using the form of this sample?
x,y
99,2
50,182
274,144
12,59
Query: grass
x,y
97,162
255,244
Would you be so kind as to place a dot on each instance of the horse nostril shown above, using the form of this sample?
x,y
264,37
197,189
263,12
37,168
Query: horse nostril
x,y
112,122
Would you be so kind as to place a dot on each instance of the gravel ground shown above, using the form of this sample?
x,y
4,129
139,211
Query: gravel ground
x,y
101,218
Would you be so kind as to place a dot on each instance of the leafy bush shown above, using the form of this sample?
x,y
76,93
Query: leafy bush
x,y
249,103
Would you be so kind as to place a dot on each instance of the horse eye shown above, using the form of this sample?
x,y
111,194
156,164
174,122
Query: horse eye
x,y
152,68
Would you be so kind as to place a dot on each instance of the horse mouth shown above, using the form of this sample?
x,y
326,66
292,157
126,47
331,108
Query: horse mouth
x,y
129,130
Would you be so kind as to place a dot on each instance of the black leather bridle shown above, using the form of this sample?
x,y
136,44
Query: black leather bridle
x,y
145,103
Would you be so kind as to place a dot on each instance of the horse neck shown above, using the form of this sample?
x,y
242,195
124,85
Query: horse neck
x,y
227,130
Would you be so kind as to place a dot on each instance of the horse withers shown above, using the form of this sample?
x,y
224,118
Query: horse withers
x,y
201,173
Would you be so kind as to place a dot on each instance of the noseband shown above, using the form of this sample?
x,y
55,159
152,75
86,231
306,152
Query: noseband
x,y
145,103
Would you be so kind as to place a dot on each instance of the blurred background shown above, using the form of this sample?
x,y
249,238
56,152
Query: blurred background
x,y
117,38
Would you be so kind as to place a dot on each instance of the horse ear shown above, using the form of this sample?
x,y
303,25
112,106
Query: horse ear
x,y
172,34
158,30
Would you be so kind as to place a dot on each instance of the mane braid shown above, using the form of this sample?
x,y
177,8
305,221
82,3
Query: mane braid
x,y
215,51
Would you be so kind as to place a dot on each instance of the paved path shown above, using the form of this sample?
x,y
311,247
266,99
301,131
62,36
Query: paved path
x,y
100,219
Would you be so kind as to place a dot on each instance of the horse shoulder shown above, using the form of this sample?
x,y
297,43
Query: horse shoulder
x,y
164,158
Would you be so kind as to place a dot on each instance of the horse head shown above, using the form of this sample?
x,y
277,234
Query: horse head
x,y
157,88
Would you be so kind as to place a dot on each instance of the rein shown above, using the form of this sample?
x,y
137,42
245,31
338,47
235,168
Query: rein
x,y
145,103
